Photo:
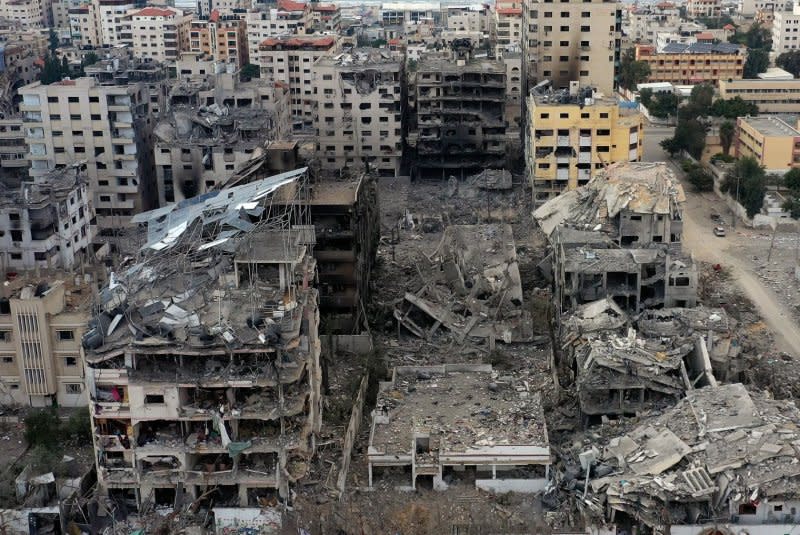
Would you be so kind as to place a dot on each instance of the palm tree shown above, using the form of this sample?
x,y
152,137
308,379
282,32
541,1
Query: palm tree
x,y
726,132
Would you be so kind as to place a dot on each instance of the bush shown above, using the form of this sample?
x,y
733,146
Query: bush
x,y
724,158
78,429
41,429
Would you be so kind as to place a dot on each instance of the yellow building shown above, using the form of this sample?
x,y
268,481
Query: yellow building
x,y
41,326
570,137
770,140
695,63
771,96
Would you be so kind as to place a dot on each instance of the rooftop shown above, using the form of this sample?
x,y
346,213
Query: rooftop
x,y
464,408
703,48
642,188
298,42
48,189
770,126
155,12
361,57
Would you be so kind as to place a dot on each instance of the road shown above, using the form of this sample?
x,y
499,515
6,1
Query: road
x,y
699,238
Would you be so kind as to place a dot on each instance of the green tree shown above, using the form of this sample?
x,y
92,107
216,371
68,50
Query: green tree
x,y
726,132
41,428
699,177
747,181
789,61
52,70
690,135
792,205
53,39
249,71
670,145
663,105
755,37
632,72
90,59
701,95
792,180
715,23
732,108
757,62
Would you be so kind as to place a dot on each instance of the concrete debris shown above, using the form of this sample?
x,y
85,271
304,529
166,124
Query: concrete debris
x,y
472,288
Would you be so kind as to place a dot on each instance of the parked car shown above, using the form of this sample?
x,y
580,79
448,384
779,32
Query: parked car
x,y
719,231
716,217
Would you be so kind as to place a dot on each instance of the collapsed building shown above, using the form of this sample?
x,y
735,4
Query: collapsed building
x,y
722,461
472,289
458,126
203,356
619,236
462,422
212,127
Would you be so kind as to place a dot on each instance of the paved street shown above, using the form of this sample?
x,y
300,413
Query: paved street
x,y
652,137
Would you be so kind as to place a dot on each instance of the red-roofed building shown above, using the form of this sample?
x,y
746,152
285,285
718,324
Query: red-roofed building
x,y
291,60
508,26
704,37
326,17
160,34
223,37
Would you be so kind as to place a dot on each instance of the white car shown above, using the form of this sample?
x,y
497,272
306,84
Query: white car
x,y
719,231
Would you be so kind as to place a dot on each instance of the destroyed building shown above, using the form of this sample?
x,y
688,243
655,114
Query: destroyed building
x,y
472,289
458,125
624,364
48,222
214,124
359,116
721,461
458,423
346,221
203,356
619,236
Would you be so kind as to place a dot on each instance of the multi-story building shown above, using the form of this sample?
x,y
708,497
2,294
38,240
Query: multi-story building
x,y
109,127
468,18
572,135
325,17
572,40
197,149
773,142
290,60
512,58
359,111
231,407
83,25
27,13
401,13
507,26
41,324
749,8
48,223
771,96
785,30
703,8
13,150
458,126
689,64
159,34
223,37
646,21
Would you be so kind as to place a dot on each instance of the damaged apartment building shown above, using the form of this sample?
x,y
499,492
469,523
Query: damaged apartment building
x,y
624,292
619,236
203,357
213,125
458,125
359,118
721,461
436,424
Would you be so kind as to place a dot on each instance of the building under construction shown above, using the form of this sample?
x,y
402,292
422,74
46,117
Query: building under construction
x,y
459,127
203,356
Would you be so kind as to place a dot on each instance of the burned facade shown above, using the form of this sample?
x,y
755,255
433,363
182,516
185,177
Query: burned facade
x,y
346,221
458,125
213,126
203,358
359,116
425,418
619,236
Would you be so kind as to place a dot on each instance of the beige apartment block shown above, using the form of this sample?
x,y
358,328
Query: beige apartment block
x,y
572,41
42,320
507,26
689,64
27,13
13,150
468,18
222,36
359,111
785,31
703,8
83,25
109,127
774,143
771,96
158,33
290,60
325,17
